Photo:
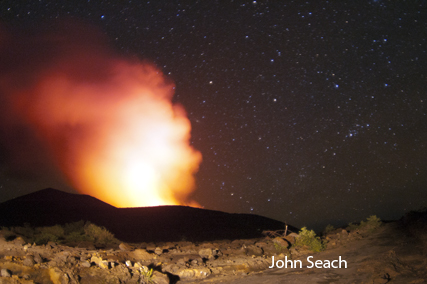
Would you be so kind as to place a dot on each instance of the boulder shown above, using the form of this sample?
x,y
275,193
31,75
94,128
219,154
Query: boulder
x,y
5,272
100,262
268,248
281,243
125,247
19,241
160,278
158,251
206,253
291,238
141,254
38,258
29,261
57,276
194,273
85,263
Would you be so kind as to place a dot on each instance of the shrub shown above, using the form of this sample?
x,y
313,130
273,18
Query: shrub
x,y
329,228
352,227
76,237
44,238
372,223
308,239
99,234
56,231
26,231
147,275
279,248
7,233
74,227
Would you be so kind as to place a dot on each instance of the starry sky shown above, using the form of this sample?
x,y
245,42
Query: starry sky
x,y
308,112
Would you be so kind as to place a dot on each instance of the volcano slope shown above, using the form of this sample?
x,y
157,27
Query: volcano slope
x,y
50,207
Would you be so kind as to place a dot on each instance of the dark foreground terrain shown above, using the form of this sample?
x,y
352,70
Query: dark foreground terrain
x,y
50,207
196,249
393,253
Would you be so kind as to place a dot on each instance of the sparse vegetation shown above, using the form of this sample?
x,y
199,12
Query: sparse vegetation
x,y
352,227
147,275
98,234
370,225
329,228
308,238
279,248
72,232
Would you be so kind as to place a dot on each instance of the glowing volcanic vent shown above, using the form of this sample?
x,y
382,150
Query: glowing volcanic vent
x,y
108,122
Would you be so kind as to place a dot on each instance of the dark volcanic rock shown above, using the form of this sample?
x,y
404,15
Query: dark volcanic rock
x,y
49,207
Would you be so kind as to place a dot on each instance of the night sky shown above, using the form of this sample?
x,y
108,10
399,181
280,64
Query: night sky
x,y
308,112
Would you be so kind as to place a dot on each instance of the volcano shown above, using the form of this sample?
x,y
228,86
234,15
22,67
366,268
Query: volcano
x,y
49,207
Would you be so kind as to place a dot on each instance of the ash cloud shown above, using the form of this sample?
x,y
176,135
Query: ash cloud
x,y
71,107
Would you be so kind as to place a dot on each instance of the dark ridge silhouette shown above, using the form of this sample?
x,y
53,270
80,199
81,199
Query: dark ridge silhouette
x,y
49,207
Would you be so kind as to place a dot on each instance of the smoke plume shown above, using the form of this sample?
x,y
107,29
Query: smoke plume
x,y
106,122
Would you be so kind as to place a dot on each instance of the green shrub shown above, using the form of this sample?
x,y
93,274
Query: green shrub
x,y
99,234
26,231
74,227
309,239
76,237
352,227
329,228
56,231
279,248
44,238
372,223
147,275
7,233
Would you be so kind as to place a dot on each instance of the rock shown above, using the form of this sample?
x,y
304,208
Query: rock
x,y
182,261
281,243
51,245
38,258
291,238
267,248
141,254
29,261
158,251
206,253
19,241
160,278
194,273
100,262
103,264
254,250
122,272
125,247
128,263
5,272
85,263
58,277
62,257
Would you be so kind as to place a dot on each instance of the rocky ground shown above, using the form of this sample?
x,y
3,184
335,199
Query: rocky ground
x,y
388,255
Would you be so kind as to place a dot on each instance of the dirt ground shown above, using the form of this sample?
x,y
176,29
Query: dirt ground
x,y
391,254
387,256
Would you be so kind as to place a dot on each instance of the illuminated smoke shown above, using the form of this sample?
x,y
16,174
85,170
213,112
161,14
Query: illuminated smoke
x,y
108,123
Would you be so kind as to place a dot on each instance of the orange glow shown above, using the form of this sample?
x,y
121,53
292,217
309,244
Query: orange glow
x,y
116,135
